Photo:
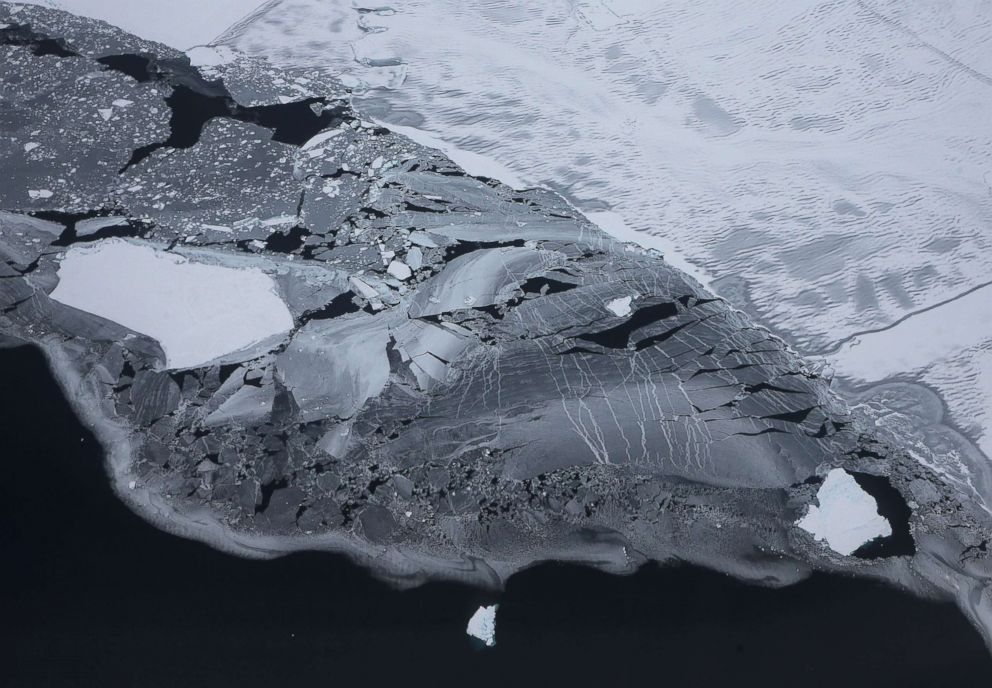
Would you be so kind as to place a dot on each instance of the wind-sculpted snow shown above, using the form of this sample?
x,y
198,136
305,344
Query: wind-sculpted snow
x,y
475,378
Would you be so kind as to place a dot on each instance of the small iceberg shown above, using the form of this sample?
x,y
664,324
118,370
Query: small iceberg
x,y
847,516
482,625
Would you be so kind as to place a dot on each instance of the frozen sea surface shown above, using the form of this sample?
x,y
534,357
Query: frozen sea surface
x,y
825,165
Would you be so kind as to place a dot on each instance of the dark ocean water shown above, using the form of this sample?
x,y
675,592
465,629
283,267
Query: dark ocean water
x,y
94,596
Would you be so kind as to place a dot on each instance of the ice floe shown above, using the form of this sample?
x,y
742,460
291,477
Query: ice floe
x,y
197,312
847,516
482,625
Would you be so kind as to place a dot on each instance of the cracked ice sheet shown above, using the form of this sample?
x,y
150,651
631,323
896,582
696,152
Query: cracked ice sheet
x,y
847,516
878,156
197,312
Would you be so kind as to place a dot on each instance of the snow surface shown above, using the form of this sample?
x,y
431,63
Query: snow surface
x,y
197,312
847,516
180,24
482,625
948,348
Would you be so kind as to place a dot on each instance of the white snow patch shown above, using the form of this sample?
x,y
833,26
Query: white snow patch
x,y
197,312
210,55
847,516
620,307
482,625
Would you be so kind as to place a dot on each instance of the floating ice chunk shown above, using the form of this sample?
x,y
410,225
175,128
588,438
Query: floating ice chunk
x,y
399,270
482,625
106,113
248,405
620,307
320,138
39,193
364,288
279,220
334,366
122,103
94,225
422,239
28,147
415,258
335,440
847,516
197,312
